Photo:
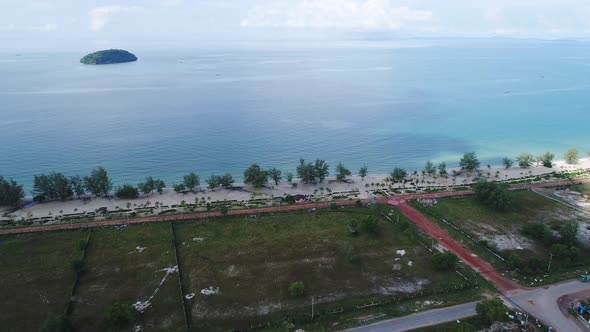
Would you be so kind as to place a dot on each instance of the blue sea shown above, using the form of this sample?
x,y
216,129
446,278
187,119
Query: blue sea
x,y
218,109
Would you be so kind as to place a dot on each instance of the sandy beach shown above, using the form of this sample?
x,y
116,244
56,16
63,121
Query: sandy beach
x,y
364,188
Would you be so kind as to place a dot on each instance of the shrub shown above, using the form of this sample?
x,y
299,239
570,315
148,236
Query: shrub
x,y
127,191
333,206
55,323
370,225
120,315
351,256
296,289
82,244
494,195
78,266
444,261
358,203
489,311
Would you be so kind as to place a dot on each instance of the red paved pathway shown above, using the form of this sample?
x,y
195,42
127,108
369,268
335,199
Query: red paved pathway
x,y
483,267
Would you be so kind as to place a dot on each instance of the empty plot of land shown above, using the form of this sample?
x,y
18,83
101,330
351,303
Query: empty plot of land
x,y
238,270
504,228
36,277
134,265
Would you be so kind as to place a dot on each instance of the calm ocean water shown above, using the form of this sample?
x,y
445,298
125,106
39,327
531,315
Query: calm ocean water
x,y
213,111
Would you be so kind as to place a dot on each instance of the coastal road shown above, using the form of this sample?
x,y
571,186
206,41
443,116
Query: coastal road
x,y
542,303
422,319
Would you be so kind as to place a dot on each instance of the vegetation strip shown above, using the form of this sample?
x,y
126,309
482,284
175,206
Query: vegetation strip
x,y
180,283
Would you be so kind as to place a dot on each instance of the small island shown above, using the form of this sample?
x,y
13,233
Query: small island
x,y
106,57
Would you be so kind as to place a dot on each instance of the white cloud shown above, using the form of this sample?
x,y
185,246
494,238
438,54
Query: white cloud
x,y
48,27
7,27
355,14
100,16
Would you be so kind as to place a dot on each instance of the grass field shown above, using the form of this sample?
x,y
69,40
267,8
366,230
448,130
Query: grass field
x,y
247,262
36,277
503,230
253,261
119,270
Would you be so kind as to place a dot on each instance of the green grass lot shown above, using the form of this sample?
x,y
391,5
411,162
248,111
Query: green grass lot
x,y
253,261
583,188
117,272
36,277
482,223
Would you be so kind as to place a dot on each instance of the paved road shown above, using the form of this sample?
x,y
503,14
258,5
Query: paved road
x,y
543,303
422,319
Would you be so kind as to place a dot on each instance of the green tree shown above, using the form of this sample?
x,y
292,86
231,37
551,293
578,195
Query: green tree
x,y
507,162
77,185
305,171
398,174
469,162
148,186
224,210
179,187
321,170
569,232
254,175
489,311
442,169
547,159
572,156
296,289
213,181
341,172
444,261
11,193
191,181
126,191
55,323
226,181
289,177
525,160
98,183
493,194
429,168
276,175
53,186
120,315
363,171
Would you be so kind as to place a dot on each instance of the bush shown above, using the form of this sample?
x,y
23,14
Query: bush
x,y
127,191
358,203
351,256
82,244
55,323
489,311
120,315
78,266
370,225
494,195
296,289
333,206
444,261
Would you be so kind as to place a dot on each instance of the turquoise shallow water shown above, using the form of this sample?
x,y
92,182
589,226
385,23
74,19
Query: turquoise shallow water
x,y
217,110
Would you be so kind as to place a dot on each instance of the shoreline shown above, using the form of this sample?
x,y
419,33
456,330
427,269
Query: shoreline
x,y
330,189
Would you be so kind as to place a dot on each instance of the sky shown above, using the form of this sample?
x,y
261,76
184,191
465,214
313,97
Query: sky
x,y
48,25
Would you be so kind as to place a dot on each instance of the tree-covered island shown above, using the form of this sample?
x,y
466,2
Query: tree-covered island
x,y
105,57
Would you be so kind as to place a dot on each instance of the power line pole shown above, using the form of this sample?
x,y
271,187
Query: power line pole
x,y
550,259
312,304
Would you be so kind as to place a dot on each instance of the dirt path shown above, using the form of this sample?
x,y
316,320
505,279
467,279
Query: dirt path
x,y
481,266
